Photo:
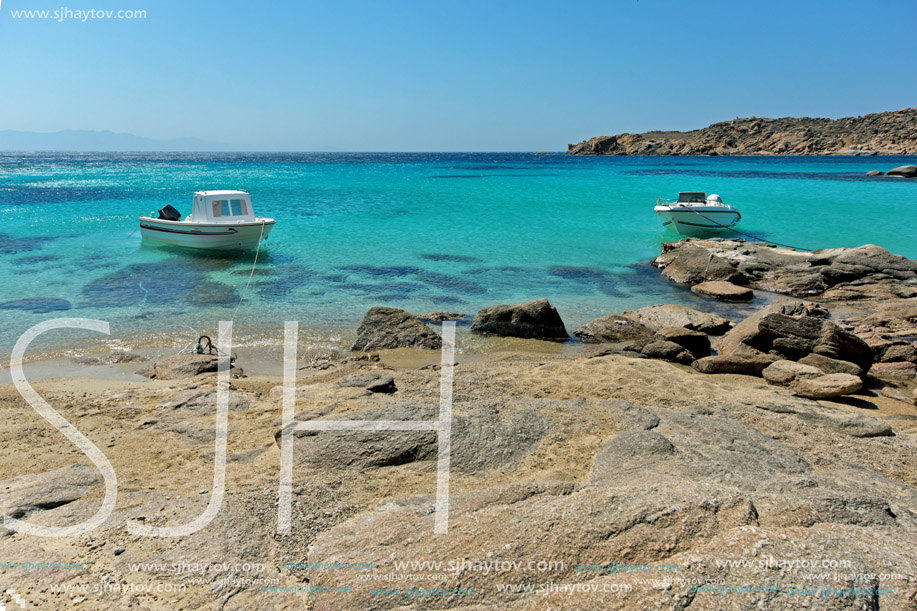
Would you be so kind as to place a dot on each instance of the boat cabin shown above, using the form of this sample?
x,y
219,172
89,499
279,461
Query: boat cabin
x,y
221,207
692,197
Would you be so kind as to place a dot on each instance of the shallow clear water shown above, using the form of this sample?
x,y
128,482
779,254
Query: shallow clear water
x,y
418,231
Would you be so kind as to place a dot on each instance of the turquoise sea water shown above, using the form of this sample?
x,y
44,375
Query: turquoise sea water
x,y
419,231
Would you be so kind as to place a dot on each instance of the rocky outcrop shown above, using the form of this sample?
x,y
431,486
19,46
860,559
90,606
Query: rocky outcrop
x,y
671,315
863,272
885,133
536,319
793,337
389,328
612,328
907,171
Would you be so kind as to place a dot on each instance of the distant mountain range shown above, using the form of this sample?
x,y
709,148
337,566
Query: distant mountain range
x,y
884,133
90,140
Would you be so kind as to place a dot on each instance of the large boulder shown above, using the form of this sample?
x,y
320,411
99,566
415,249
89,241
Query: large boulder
x,y
749,365
907,171
725,291
667,351
742,339
695,342
671,315
793,336
536,319
388,328
612,328
810,382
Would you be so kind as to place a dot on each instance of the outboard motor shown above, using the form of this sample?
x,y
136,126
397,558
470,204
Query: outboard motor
x,y
168,213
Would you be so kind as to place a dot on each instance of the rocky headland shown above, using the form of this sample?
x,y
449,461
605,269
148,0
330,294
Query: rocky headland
x,y
884,133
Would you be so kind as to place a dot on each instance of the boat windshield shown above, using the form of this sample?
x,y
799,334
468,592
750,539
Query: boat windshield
x,y
692,197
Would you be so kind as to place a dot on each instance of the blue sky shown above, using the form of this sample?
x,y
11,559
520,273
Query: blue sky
x,y
499,75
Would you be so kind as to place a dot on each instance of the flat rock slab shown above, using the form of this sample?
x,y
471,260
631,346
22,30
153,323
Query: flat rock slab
x,y
26,494
672,315
373,382
483,438
179,366
612,328
751,365
839,421
725,291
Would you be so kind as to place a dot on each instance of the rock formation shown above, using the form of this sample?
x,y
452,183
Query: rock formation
x,y
884,133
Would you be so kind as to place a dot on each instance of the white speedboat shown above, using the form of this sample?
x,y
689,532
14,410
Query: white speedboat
x,y
219,220
694,213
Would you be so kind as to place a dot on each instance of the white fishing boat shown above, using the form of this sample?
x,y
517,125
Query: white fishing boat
x,y
219,220
695,213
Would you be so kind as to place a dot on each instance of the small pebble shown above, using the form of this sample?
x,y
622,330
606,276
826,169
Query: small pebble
x,y
203,492
119,551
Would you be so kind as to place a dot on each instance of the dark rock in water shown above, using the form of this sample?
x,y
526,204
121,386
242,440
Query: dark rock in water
x,y
612,328
726,291
451,258
829,365
373,382
671,315
695,342
908,171
37,305
750,365
389,328
178,366
667,351
153,284
874,173
536,319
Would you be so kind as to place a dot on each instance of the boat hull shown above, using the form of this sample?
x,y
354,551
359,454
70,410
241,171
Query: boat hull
x,y
206,236
697,222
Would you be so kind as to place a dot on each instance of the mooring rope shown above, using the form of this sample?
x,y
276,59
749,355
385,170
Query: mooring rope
x,y
747,235
250,275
